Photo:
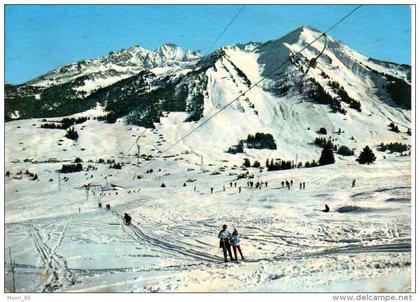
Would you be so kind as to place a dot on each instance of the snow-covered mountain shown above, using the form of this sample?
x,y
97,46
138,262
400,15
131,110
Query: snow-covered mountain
x,y
345,91
107,70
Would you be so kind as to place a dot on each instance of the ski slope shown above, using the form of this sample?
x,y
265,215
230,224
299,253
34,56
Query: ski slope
x,y
172,245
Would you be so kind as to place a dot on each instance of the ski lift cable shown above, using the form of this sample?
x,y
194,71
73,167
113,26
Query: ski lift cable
x,y
220,36
323,49
225,29
254,85
135,142
312,62
207,51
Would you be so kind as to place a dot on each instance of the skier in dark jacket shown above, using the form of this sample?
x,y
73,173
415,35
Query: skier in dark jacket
x,y
327,209
224,236
127,219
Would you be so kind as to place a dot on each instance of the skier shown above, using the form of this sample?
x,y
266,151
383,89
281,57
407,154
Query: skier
x,y
282,184
266,184
291,182
240,188
127,219
224,236
234,241
353,184
327,209
211,190
231,184
224,189
300,186
303,185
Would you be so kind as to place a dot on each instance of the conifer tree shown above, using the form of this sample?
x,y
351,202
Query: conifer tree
x,y
72,134
366,156
327,155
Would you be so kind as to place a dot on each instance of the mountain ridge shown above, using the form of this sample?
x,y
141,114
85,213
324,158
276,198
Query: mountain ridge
x,y
341,76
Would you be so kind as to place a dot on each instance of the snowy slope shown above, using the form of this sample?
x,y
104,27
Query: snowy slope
x,y
172,245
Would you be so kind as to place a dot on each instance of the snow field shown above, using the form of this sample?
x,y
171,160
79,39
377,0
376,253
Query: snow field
x,y
172,244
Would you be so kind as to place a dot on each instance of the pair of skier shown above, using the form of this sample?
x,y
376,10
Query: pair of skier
x,y
228,240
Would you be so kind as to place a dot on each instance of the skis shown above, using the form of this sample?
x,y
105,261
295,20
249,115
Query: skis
x,y
234,261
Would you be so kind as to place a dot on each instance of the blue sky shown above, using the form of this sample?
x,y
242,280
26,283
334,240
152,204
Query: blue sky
x,y
39,38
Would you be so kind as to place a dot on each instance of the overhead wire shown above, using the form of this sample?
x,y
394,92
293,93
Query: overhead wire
x,y
206,52
225,29
135,142
325,36
254,85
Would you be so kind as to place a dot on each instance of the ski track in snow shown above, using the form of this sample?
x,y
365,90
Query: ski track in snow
x,y
181,240
56,270
167,246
